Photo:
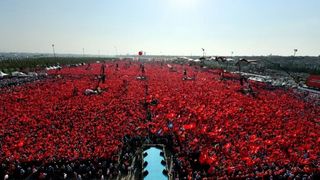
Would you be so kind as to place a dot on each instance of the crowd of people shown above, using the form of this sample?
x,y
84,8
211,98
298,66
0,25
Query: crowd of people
x,y
52,128
63,169
16,81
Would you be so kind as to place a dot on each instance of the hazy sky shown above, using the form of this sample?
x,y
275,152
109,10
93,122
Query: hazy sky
x,y
179,27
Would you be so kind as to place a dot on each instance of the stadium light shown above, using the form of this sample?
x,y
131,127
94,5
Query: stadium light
x,y
295,52
54,52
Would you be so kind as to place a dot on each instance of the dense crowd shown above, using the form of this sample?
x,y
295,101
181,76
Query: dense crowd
x,y
217,131
16,81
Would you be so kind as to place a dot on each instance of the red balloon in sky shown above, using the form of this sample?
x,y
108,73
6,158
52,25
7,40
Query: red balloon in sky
x,y
140,53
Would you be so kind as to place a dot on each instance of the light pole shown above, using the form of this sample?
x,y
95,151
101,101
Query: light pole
x,y
295,52
54,52
83,52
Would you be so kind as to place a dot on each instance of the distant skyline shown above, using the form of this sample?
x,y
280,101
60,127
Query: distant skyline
x,y
161,27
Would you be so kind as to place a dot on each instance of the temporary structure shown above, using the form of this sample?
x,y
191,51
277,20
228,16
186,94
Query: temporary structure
x,y
18,74
2,74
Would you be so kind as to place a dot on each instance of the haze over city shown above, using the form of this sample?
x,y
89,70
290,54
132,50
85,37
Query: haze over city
x,y
161,27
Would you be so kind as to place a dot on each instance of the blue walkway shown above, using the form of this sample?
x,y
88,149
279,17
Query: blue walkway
x,y
154,166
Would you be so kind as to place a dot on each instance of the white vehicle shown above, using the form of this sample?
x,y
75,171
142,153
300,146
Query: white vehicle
x,y
2,74
18,74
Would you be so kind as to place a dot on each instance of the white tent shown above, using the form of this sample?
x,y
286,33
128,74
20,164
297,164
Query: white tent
x,y
2,74
32,74
18,74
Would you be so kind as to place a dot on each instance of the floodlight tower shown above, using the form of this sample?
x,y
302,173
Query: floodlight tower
x,y
54,52
295,52
83,52
203,51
